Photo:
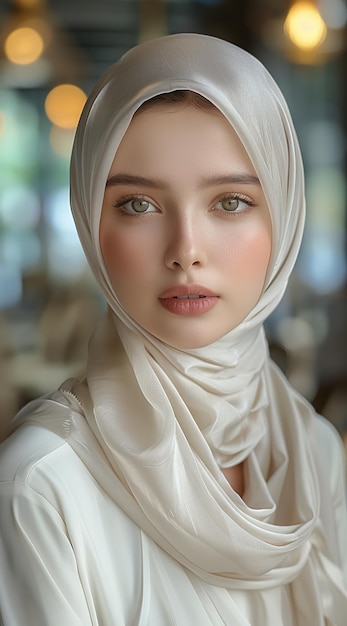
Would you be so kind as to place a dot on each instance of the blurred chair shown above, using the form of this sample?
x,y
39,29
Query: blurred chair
x,y
60,352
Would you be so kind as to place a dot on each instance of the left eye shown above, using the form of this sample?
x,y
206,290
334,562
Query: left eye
x,y
138,205
231,205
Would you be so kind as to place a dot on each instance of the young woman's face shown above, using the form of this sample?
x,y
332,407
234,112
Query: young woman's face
x,y
185,230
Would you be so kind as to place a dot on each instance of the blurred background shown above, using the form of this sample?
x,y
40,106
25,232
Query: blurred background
x,y
51,54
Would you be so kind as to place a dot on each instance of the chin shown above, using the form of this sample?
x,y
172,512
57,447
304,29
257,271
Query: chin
x,y
189,333
191,343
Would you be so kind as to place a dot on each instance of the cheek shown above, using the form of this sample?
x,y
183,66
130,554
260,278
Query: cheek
x,y
124,256
109,249
259,252
250,252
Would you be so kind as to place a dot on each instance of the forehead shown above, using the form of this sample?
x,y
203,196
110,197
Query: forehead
x,y
170,130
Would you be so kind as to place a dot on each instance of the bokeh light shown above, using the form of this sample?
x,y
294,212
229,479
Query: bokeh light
x,y
64,104
304,26
24,45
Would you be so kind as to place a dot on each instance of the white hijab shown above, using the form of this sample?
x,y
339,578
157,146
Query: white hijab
x,y
167,419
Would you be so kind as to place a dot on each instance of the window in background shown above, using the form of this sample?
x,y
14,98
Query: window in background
x,y
20,245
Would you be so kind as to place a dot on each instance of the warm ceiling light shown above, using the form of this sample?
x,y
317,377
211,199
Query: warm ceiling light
x,y
304,26
24,46
64,104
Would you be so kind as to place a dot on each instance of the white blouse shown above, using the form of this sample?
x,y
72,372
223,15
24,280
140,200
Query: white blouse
x,y
69,555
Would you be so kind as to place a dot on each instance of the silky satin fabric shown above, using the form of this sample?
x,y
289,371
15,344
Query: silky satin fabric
x,y
168,420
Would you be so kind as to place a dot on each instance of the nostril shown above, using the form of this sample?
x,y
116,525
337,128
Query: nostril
x,y
184,264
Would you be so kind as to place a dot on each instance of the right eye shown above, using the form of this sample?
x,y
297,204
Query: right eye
x,y
135,206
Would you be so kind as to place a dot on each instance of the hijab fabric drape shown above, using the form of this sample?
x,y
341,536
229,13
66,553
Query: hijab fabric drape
x,y
169,420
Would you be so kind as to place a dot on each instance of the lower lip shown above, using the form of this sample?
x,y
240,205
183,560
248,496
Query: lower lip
x,y
186,306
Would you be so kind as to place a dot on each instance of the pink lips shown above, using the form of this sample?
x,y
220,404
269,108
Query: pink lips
x,y
188,300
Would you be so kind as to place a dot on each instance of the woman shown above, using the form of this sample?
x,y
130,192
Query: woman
x,y
184,481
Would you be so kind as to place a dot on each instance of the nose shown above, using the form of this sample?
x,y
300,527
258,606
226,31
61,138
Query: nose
x,y
185,247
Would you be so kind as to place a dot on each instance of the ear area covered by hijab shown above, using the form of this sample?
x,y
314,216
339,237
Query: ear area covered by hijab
x,y
170,417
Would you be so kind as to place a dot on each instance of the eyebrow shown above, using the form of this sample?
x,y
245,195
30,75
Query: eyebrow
x,y
130,179
238,178
206,181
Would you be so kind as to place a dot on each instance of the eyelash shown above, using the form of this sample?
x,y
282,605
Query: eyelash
x,y
120,204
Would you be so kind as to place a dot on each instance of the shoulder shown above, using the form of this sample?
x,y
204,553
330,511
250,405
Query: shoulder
x,y
26,448
53,459
39,470
30,495
45,484
38,455
39,433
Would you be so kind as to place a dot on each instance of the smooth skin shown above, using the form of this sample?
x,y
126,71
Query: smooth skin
x,y
182,207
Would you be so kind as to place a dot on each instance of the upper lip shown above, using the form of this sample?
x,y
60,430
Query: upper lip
x,y
187,290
